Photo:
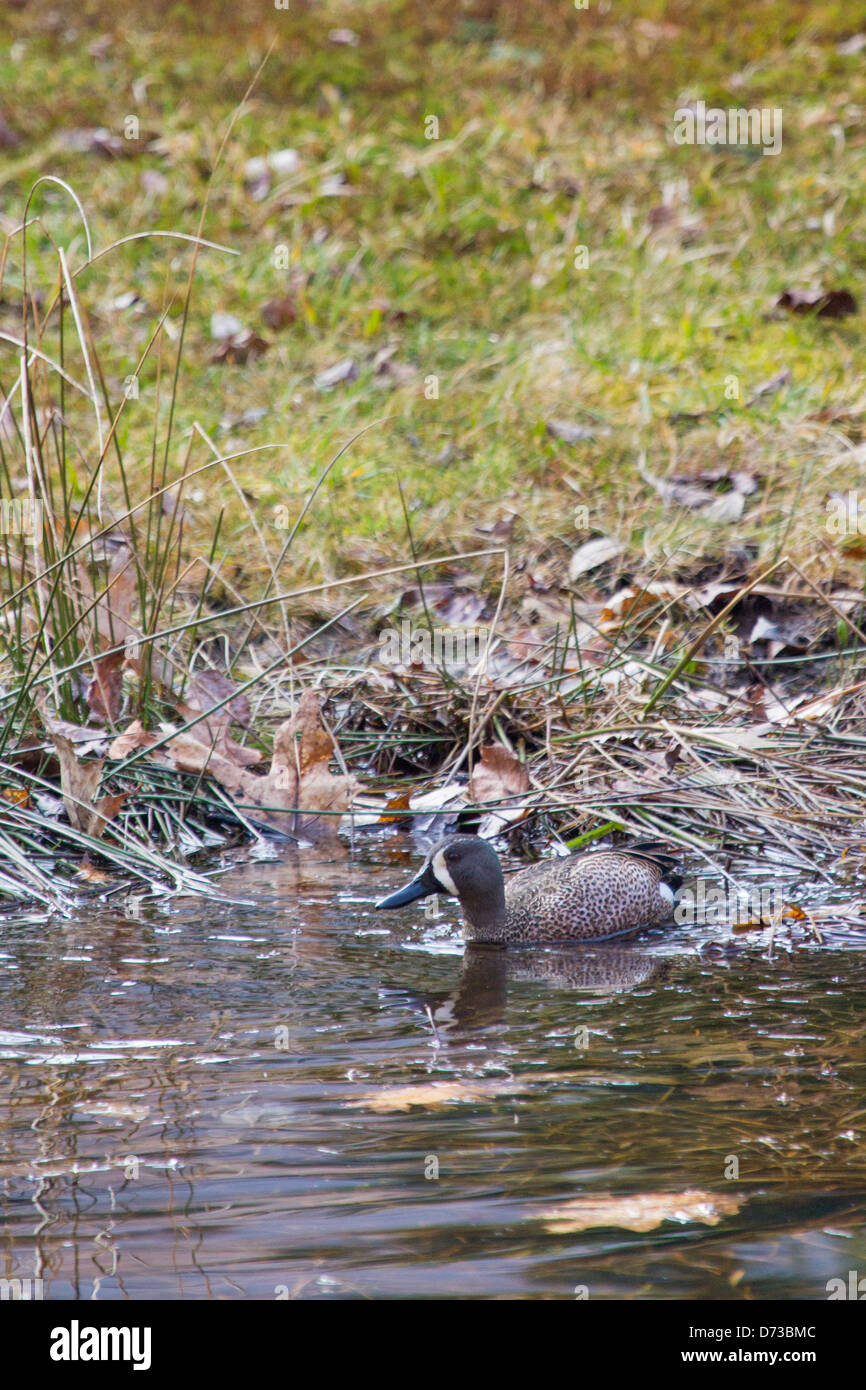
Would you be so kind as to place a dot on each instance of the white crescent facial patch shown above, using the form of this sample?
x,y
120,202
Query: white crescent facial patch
x,y
439,869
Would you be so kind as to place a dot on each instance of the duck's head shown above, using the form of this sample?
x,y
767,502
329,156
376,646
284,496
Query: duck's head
x,y
461,866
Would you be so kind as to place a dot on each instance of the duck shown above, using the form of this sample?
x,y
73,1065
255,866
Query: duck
x,y
591,896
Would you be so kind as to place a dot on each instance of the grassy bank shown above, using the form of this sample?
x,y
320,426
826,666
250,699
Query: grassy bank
x,y
442,283
453,259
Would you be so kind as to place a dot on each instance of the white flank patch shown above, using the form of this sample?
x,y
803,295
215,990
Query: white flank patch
x,y
667,894
443,875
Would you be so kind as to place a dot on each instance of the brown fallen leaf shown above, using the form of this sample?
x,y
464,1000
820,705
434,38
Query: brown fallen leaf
x,y
643,1212
117,608
215,734
79,783
15,796
291,796
237,348
208,689
133,738
824,304
458,609
499,777
299,786
105,691
317,788
86,740
499,530
89,873
395,803
279,313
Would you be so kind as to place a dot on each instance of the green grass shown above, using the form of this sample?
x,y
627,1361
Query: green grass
x,y
458,254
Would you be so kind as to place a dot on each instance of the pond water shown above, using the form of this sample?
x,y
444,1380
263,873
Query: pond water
x,y
203,1101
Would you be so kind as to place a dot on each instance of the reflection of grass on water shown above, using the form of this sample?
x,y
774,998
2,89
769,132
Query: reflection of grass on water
x,y
447,165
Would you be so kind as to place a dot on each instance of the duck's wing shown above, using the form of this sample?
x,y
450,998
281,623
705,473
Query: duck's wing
x,y
566,868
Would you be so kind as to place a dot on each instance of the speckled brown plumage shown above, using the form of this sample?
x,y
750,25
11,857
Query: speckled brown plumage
x,y
584,897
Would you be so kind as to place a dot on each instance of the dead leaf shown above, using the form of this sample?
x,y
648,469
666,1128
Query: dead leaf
x,y
118,603
625,605
15,796
750,739
499,777
439,808
344,370
722,478
133,738
386,370
643,1212
86,740
819,707
459,609
499,530
795,912
105,691
710,504
89,873
391,1099
592,554
299,786
208,688
395,803
237,348
824,304
279,313
79,783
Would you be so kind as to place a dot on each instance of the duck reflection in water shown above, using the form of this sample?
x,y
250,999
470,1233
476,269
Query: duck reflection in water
x,y
480,997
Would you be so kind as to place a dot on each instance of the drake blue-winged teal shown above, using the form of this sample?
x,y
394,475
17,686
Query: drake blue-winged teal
x,y
584,897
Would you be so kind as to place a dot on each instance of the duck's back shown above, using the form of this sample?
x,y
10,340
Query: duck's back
x,y
585,897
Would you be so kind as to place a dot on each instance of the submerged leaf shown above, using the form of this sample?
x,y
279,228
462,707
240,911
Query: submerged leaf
x,y
643,1212
389,1100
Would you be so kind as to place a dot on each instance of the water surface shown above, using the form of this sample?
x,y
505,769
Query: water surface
x,y
200,1101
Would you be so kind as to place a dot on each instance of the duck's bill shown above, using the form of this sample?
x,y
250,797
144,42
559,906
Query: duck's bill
x,y
420,887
